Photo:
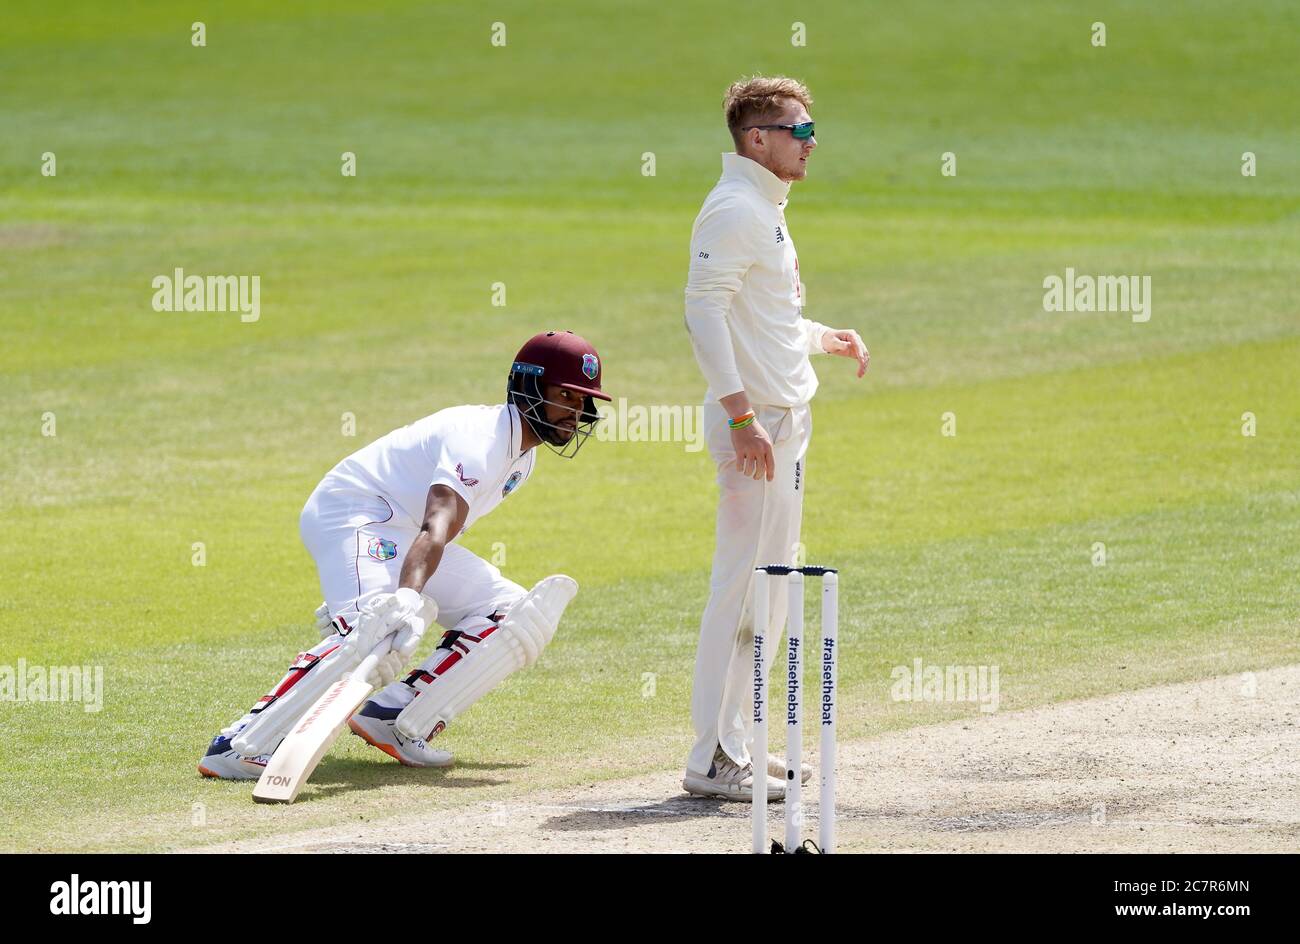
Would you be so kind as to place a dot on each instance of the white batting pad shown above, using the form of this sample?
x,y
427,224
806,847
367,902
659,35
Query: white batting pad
x,y
517,642
274,721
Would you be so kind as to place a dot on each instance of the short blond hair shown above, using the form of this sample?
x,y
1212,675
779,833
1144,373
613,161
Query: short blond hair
x,y
759,99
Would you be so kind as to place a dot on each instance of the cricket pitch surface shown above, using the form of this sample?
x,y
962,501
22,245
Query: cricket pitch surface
x,y
1207,766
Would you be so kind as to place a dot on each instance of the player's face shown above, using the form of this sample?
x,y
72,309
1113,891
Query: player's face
x,y
787,156
563,408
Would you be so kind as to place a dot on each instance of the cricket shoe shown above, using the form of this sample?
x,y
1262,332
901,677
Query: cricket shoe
x,y
776,768
224,763
727,780
376,725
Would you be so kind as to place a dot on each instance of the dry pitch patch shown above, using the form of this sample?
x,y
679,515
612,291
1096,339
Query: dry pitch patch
x,y
1209,766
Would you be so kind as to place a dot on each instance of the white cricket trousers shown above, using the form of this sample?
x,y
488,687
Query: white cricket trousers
x,y
758,523
358,547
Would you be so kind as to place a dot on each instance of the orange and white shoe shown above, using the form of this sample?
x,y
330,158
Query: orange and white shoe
x,y
376,725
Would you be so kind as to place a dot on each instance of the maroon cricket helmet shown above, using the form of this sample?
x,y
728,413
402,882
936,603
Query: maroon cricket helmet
x,y
564,358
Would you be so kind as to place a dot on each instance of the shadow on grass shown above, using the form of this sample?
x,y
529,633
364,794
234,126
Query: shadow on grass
x,y
344,775
678,809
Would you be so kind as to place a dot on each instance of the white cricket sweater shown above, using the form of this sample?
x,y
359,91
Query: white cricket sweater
x,y
744,300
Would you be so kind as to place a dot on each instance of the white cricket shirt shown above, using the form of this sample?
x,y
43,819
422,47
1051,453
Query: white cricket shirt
x,y
473,450
744,300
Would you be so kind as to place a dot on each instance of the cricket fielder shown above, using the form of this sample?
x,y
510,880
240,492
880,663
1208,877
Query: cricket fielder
x,y
744,313
382,526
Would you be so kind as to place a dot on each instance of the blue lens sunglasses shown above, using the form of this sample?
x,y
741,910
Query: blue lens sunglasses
x,y
802,131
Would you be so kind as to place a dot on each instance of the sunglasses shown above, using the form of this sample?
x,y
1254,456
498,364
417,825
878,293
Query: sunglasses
x,y
803,131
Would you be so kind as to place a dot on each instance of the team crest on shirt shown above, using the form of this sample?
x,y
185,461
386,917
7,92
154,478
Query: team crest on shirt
x,y
590,366
460,474
382,549
511,483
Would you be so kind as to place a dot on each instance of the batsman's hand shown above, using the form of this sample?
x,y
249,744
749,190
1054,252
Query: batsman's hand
x,y
387,669
324,624
754,451
845,342
399,619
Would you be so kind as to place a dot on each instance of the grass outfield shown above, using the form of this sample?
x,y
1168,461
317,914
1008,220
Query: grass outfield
x,y
522,164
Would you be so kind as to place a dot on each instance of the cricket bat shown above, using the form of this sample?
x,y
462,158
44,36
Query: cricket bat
x,y
307,742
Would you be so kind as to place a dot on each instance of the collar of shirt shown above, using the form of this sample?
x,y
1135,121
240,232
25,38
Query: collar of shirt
x,y
764,181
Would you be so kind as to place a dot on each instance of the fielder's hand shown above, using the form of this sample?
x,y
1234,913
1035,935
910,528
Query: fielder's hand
x,y
846,343
753,451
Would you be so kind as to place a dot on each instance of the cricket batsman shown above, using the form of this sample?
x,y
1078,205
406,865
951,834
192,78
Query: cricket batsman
x,y
744,313
382,526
